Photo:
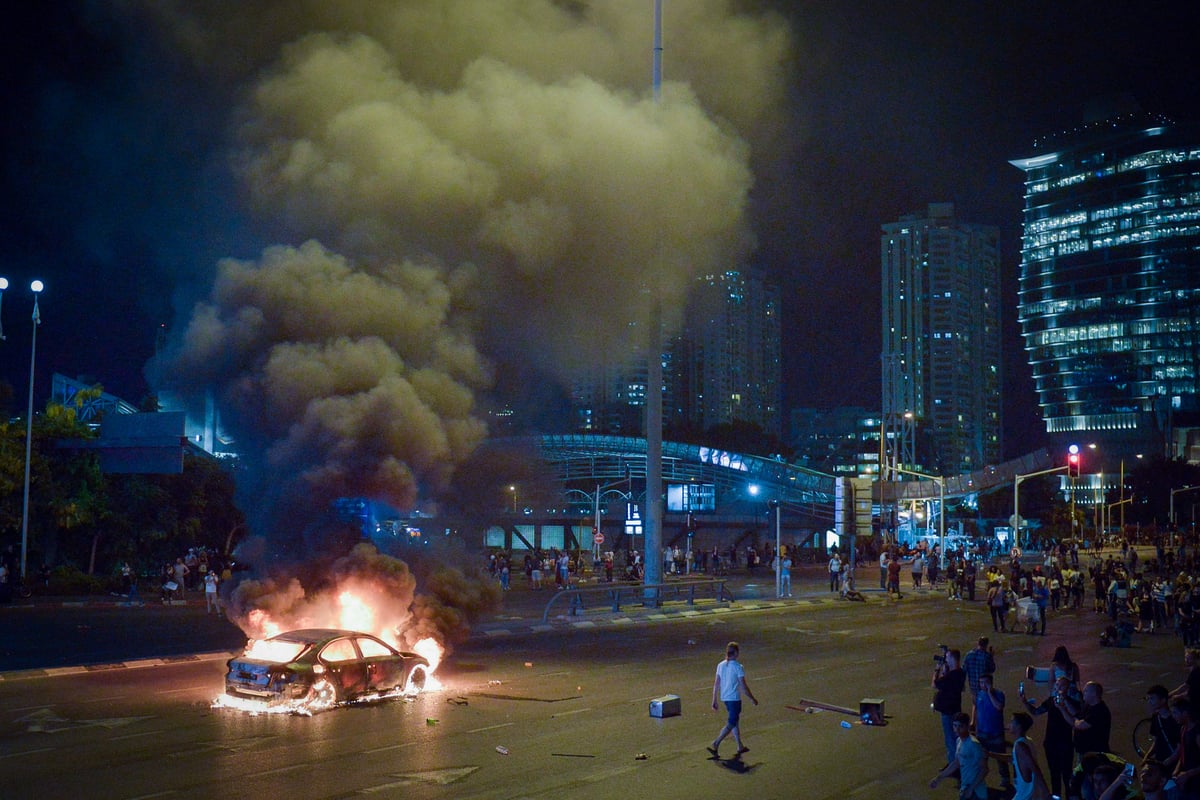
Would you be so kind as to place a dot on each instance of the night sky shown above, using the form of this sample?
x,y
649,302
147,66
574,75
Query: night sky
x,y
123,181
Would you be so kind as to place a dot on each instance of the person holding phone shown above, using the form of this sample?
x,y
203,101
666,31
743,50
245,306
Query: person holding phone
x,y
1058,740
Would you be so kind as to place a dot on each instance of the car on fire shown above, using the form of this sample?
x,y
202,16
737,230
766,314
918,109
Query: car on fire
x,y
317,668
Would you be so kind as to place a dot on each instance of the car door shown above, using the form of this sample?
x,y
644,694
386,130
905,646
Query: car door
x,y
345,667
384,667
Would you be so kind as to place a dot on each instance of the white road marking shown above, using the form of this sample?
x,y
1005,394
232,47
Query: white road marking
x,y
492,727
390,747
569,713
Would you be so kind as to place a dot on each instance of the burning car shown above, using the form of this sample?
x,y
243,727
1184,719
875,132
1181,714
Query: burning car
x,y
317,668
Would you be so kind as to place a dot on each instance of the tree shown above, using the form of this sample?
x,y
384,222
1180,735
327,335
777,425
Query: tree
x,y
83,518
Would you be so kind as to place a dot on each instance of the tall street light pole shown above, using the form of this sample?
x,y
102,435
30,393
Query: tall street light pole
x,y
1173,493
36,287
775,504
1016,517
652,519
3,286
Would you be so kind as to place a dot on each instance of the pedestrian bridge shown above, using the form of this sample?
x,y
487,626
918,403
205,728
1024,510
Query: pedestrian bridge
x,y
583,461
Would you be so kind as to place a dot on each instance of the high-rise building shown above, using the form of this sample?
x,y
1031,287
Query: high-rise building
x,y
1110,281
941,342
838,441
722,368
726,365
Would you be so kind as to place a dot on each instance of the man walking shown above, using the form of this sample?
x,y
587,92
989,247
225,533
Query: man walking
x,y
728,686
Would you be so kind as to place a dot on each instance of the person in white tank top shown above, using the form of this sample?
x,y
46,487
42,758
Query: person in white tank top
x,y
1028,780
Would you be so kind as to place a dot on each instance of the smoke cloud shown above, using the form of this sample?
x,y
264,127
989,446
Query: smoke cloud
x,y
458,187
461,186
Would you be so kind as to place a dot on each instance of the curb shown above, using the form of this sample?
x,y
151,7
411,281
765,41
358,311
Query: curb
x,y
55,672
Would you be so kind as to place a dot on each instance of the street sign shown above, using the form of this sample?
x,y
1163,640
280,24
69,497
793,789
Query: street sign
x,y
1016,522
598,538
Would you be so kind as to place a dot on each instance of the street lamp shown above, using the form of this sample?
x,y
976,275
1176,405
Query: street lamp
x,y
36,287
1173,493
513,489
1016,517
778,557
3,286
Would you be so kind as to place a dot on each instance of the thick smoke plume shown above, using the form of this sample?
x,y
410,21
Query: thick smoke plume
x,y
458,187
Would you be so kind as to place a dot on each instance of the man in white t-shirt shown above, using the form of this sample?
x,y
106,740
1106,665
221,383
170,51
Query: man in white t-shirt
x,y
728,686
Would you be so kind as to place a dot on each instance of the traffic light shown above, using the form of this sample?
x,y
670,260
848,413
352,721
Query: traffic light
x,y
1073,460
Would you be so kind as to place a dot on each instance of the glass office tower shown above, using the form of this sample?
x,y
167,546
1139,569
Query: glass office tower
x,y
1109,302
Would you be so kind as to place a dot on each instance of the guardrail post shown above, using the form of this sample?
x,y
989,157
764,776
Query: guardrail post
x,y
616,599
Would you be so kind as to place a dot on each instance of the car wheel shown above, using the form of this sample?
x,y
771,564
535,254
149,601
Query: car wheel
x,y
323,694
416,680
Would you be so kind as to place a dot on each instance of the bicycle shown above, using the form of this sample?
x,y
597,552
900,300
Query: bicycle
x,y
1143,737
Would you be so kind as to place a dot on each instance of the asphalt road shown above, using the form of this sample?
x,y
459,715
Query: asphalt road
x,y
570,705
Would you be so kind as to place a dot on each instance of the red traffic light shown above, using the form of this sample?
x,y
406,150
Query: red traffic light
x,y
1073,462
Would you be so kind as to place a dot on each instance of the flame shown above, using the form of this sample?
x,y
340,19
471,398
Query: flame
x,y
354,613
431,650
356,605
261,626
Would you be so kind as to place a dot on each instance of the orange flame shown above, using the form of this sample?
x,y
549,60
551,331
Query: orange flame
x,y
431,650
356,605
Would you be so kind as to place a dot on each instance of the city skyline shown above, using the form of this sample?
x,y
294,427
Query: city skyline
x,y
117,194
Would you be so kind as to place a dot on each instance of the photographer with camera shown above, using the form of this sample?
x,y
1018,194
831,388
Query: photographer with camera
x,y
949,681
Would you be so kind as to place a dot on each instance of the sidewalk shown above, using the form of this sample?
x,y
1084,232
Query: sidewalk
x,y
522,608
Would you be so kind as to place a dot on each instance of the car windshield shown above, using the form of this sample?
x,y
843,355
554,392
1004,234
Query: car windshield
x,y
279,651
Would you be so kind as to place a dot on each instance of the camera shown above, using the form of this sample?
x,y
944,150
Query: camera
x,y
940,658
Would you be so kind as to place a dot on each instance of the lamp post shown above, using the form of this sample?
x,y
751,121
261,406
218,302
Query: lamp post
x,y
3,286
778,558
1016,517
513,489
1119,504
1172,517
36,287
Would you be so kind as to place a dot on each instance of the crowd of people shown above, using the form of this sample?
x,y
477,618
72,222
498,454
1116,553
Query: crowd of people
x,y
982,728
198,570
1076,742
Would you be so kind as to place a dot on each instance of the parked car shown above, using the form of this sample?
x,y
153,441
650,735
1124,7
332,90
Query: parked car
x,y
318,668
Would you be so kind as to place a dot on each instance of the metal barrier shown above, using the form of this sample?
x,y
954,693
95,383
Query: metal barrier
x,y
654,593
